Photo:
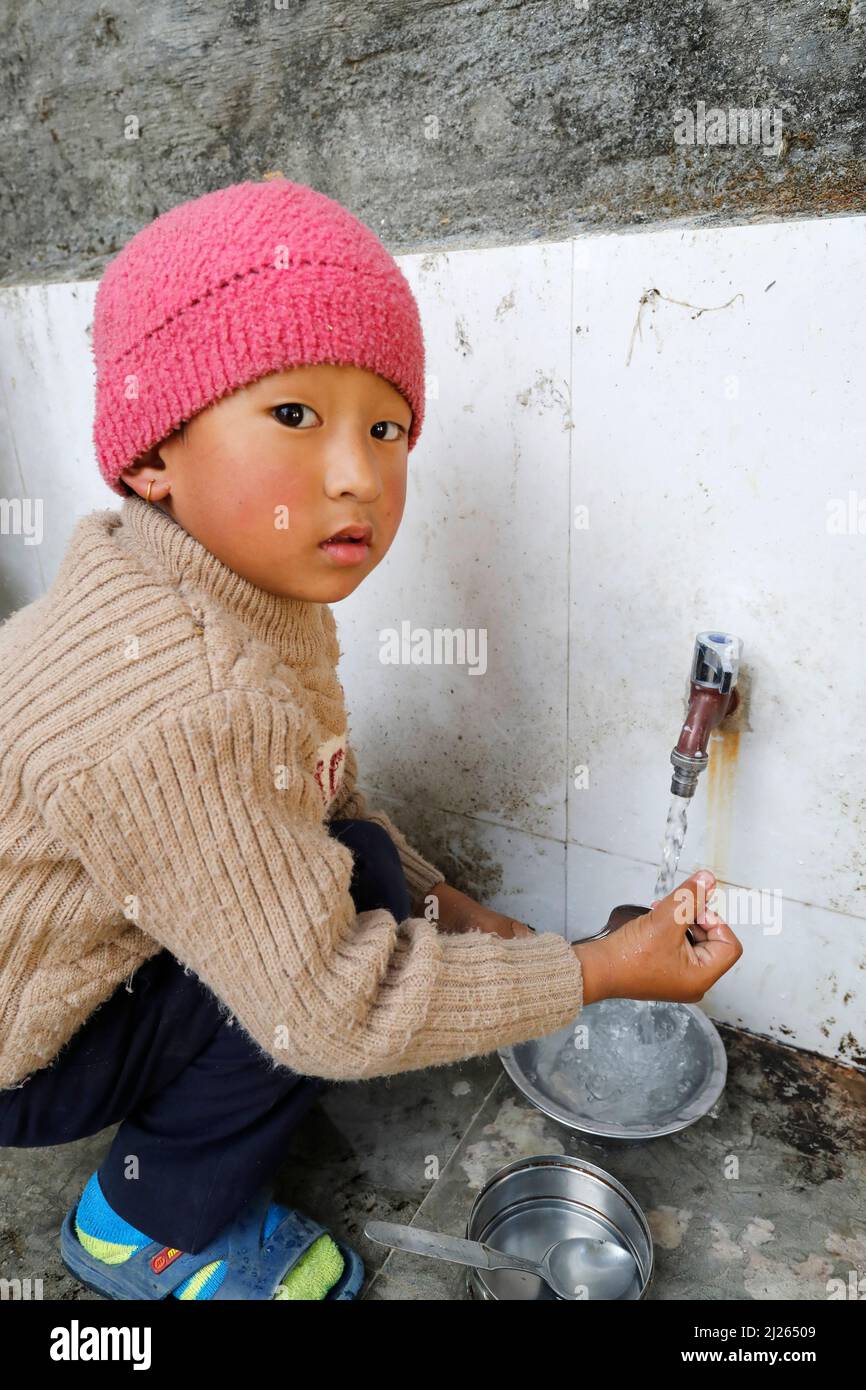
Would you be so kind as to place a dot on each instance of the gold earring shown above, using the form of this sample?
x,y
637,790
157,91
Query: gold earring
x,y
149,486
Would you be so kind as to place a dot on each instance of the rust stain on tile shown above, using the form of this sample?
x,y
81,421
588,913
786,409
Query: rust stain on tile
x,y
721,777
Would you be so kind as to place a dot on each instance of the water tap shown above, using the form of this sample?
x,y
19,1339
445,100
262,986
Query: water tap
x,y
713,695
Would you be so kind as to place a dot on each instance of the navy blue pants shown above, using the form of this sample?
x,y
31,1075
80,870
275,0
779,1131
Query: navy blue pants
x,y
203,1118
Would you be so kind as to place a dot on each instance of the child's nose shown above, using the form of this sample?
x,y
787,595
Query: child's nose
x,y
354,467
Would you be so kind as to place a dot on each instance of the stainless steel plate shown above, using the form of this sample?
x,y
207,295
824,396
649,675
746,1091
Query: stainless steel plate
x,y
622,1072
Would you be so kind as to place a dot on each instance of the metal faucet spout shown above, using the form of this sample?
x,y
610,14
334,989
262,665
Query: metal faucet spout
x,y
713,696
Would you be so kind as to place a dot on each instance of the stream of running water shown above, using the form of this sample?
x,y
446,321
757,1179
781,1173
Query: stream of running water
x,y
675,834
652,1016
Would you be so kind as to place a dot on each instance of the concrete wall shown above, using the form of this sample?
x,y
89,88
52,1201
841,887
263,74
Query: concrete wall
x,y
698,389
441,123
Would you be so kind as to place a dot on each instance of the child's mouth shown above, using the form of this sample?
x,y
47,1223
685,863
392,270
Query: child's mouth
x,y
347,550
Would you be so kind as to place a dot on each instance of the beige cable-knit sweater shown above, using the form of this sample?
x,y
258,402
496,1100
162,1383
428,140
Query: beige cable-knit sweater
x,y
172,740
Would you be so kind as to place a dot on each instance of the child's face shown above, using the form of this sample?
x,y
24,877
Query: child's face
x,y
266,474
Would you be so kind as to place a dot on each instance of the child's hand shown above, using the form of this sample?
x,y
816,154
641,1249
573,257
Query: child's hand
x,y
652,958
508,927
460,913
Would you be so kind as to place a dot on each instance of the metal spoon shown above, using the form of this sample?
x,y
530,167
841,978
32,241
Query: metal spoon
x,y
569,1266
627,912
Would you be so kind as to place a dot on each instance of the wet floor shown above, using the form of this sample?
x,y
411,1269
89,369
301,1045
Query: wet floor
x,y
765,1198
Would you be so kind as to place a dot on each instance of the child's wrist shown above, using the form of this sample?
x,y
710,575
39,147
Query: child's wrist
x,y
595,965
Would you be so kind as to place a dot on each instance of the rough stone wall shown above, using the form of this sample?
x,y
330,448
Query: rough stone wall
x,y
439,122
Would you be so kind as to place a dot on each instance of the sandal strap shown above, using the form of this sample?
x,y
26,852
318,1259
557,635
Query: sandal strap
x,y
255,1267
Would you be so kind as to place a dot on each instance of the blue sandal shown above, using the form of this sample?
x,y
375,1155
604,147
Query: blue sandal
x,y
255,1269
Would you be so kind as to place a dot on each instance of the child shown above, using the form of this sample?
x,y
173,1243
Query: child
x,y
202,921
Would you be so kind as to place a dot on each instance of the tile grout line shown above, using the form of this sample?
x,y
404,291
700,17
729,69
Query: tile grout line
x,y
615,853
426,1198
568,583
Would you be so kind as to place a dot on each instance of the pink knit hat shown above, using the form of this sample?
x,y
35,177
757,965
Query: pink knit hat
x,y
220,291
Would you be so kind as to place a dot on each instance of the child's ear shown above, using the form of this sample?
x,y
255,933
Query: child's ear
x,y
143,461
151,457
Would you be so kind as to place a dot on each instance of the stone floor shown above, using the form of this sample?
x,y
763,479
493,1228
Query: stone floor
x,y
417,1148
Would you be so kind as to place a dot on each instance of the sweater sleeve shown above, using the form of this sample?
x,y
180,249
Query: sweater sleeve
x,y
205,828
351,804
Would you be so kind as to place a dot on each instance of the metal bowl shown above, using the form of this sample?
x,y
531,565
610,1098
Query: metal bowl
x,y
534,1202
673,1082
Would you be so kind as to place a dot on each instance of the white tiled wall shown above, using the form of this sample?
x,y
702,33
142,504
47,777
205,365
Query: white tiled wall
x,y
705,449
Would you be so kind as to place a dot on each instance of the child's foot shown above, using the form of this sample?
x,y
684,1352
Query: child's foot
x,y
107,1237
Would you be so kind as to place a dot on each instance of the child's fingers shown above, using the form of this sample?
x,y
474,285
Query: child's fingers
x,y
689,900
719,952
717,930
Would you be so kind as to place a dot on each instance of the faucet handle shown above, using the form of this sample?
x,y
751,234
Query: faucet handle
x,y
716,660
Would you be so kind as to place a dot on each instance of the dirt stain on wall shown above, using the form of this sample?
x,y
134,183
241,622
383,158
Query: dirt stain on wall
x,y
721,779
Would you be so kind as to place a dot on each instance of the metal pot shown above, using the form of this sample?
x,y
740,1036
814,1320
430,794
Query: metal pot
x,y
534,1202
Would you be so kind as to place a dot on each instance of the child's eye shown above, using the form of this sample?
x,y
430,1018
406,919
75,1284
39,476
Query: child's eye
x,y
393,424
291,413
294,411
